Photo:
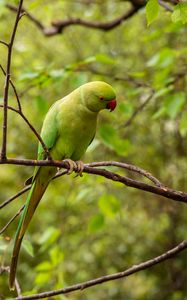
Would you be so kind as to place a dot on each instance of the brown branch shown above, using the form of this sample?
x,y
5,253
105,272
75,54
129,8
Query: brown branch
x,y
128,167
12,219
30,16
132,270
165,5
162,191
94,164
58,26
7,82
15,196
25,189
4,43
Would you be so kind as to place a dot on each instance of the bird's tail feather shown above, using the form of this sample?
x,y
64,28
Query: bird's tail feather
x,y
33,199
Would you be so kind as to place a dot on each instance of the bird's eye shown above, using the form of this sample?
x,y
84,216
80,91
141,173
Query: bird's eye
x,y
101,97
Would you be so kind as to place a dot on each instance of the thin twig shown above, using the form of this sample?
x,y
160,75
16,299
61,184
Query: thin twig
x,y
15,196
7,82
4,43
25,189
128,167
30,16
134,269
12,219
165,5
14,89
32,128
140,108
7,269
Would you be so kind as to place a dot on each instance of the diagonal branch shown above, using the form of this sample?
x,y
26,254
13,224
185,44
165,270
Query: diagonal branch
x,y
25,189
30,16
132,270
14,88
12,219
129,167
15,196
7,81
32,128
4,43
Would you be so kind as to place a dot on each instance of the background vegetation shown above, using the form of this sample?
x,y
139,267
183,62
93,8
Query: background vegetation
x,y
87,227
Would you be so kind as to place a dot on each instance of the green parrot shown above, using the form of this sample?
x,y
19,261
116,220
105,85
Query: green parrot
x,y
68,129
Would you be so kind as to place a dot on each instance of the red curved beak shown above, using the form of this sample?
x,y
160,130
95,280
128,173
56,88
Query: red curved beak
x,y
112,104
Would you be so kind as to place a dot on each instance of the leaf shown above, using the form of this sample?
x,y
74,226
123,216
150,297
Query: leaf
x,y
109,205
103,58
162,59
183,124
159,113
28,247
174,104
28,76
125,108
152,10
44,266
96,223
49,237
111,138
2,7
41,104
180,13
56,256
42,278
163,91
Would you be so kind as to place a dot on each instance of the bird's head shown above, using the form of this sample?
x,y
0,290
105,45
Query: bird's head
x,y
98,95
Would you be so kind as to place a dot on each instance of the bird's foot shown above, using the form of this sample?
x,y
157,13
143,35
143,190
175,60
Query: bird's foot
x,y
76,166
80,168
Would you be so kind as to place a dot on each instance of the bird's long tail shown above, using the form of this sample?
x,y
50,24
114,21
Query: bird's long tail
x,y
36,192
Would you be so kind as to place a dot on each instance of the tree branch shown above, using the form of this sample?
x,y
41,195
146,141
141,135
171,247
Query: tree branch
x,y
4,43
106,26
139,108
32,129
162,191
12,219
129,167
134,269
15,196
14,89
7,81
25,189
58,26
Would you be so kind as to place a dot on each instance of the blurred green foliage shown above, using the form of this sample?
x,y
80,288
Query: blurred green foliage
x,y
88,227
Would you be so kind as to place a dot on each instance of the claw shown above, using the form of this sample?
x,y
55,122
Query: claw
x,y
71,164
76,166
80,168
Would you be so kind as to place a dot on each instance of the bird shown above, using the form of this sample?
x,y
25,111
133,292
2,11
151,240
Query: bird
x,y
68,129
